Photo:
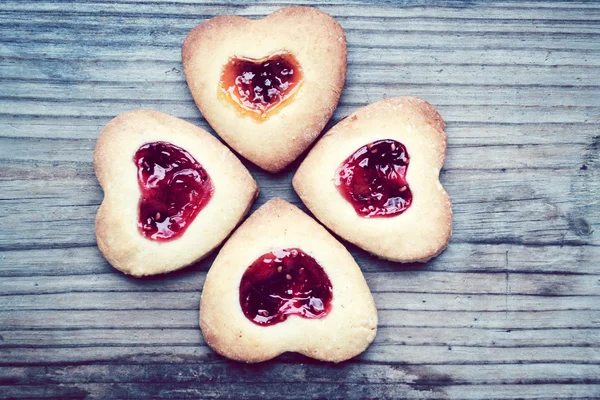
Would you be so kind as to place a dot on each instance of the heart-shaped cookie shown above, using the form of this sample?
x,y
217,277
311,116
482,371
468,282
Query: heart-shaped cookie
x,y
374,180
172,192
283,283
267,87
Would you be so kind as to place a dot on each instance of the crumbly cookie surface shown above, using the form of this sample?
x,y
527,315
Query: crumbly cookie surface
x,y
317,42
116,223
423,230
346,331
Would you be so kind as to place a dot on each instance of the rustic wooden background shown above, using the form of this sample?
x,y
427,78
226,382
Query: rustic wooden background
x,y
511,309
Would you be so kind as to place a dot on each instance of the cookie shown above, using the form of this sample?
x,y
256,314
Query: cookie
x,y
283,283
373,179
269,86
172,192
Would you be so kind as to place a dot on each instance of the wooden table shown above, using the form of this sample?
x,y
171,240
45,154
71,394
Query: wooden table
x,y
510,309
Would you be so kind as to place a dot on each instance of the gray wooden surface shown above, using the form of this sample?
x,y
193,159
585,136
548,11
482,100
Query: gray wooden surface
x,y
510,310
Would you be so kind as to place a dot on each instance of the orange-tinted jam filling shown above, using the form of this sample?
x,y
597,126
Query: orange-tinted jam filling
x,y
373,179
174,188
284,282
259,86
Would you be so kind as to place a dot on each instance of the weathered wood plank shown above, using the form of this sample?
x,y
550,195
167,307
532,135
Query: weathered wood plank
x,y
88,22
501,4
176,93
130,73
512,114
414,336
62,28
386,335
385,301
391,354
483,156
586,319
460,133
347,372
524,95
465,114
459,257
419,378
361,38
182,10
517,206
300,391
73,53
385,281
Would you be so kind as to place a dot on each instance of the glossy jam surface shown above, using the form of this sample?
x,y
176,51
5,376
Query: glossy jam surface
x,y
175,188
258,86
284,282
373,179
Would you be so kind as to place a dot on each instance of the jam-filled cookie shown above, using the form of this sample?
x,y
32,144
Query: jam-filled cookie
x,y
374,180
268,87
283,283
172,192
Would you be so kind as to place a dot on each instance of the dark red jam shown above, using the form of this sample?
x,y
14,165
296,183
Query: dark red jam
x,y
373,179
257,86
174,188
284,282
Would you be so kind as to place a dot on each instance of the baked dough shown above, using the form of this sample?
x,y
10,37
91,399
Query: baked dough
x,y
317,42
423,230
346,331
116,224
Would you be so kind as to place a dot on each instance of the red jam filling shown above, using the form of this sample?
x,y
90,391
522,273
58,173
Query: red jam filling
x,y
174,188
373,179
258,86
284,282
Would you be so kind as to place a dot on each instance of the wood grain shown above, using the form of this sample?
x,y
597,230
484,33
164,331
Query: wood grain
x,y
510,310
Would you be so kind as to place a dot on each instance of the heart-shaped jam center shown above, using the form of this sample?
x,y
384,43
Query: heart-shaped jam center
x,y
373,179
258,86
174,189
284,282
